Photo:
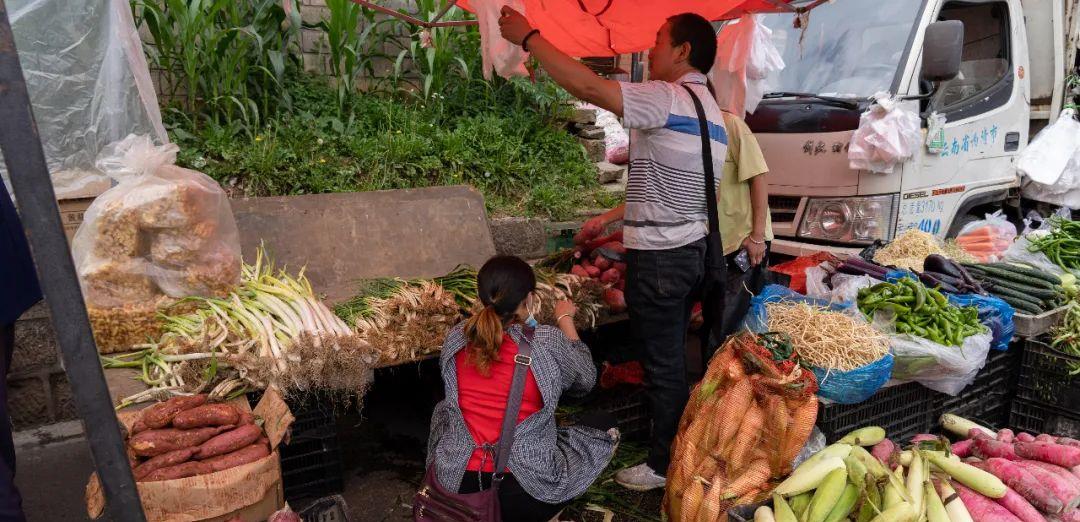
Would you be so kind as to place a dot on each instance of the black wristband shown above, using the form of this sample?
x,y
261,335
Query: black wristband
x,y
525,41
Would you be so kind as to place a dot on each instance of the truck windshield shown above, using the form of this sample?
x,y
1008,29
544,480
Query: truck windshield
x,y
849,48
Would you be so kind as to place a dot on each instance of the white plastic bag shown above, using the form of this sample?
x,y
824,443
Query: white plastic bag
x,y
616,140
888,134
987,239
497,53
841,288
745,56
161,232
947,369
88,82
1046,158
1019,252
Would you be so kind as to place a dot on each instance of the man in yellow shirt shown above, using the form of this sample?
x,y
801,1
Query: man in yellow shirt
x,y
745,223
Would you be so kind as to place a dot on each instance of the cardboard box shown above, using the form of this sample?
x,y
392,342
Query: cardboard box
x,y
71,214
252,492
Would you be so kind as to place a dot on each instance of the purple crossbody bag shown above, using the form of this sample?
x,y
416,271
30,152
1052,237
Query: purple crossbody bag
x,y
435,503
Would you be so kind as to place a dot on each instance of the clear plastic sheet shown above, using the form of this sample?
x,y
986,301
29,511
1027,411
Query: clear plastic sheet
x,y
994,313
987,239
162,231
745,56
88,81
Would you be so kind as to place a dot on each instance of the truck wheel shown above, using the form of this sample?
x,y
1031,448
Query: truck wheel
x,y
960,223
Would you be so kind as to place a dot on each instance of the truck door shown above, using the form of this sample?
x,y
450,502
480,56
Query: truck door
x,y
986,111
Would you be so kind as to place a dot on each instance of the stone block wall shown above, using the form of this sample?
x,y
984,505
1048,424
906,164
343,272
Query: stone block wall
x,y
38,389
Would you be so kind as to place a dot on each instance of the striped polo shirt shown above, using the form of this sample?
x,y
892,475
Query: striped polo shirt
x,y
665,190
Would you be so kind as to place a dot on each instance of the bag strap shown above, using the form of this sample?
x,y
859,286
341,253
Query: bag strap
x,y
714,248
522,362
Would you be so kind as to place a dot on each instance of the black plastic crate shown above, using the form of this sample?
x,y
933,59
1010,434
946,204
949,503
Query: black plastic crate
x,y
631,411
903,410
326,509
1044,376
312,466
1033,417
989,397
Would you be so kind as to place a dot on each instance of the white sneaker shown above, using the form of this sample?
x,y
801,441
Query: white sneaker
x,y
639,478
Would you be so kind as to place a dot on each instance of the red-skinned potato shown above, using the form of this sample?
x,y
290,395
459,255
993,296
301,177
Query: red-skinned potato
x,y
592,271
579,271
620,266
615,300
602,263
610,276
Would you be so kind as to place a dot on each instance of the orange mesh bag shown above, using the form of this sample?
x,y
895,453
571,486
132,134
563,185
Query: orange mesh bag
x,y
740,431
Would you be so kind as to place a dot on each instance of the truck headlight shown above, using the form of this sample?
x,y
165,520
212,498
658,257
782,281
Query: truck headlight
x,y
858,219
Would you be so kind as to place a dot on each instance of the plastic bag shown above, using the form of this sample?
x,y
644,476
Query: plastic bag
x,y
1018,252
994,313
848,387
845,287
745,56
88,82
616,140
161,232
497,53
987,239
796,268
888,134
947,369
1047,156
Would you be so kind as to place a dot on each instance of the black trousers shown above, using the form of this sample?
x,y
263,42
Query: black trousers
x,y
661,289
10,500
517,504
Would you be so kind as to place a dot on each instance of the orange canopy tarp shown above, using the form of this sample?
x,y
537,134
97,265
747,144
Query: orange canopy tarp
x,y
610,27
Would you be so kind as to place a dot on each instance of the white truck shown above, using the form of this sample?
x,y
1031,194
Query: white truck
x,y
1015,59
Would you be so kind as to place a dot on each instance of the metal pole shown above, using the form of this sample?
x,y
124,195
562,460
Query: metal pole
x,y
25,160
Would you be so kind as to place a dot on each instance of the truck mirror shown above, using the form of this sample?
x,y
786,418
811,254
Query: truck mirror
x,y
943,46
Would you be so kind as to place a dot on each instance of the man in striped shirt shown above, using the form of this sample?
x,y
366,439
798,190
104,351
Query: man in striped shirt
x,y
665,217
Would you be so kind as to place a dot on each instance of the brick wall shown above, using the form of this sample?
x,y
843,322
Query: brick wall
x,y
38,390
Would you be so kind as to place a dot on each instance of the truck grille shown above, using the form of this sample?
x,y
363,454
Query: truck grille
x,y
783,208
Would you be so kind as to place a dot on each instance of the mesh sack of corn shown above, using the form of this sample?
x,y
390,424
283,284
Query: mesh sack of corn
x,y
745,423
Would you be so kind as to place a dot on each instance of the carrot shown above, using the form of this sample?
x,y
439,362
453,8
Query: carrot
x,y
1017,505
1063,490
1064,456
802,423
756,474
1024,483
746,439
982,508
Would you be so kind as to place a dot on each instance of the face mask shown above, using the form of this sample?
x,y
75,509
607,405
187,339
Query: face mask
x,y
531,321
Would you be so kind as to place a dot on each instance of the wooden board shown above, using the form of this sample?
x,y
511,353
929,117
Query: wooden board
x,y
361,235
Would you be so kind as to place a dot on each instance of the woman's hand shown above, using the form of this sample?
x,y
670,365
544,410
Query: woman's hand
x,y
564,316
513,25
756,251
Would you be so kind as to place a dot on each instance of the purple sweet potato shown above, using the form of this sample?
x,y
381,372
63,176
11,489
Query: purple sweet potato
x,y
152,443
1064,456
162,413
206,415
229,441
164,460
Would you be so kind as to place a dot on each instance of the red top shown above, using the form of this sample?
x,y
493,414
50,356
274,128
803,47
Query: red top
x,y
483,399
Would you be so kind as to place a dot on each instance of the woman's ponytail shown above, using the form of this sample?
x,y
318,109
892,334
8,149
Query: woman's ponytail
x,y
484,332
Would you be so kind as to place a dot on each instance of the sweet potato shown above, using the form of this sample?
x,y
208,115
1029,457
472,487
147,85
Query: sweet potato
x,y
1064,456
602,263
137,427
591,270
610,275
229,441
162,413
152,443
179,471
164,460
242,456
206,415
615,300
579,271
246,417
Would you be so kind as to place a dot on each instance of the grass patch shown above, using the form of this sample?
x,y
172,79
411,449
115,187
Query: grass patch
x,y
521,161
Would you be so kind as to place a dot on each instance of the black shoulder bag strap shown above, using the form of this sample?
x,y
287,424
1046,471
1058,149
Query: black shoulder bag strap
x,y
713,294
522,362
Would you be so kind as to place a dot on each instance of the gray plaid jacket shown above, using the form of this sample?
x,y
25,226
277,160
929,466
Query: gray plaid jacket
x,y
552,464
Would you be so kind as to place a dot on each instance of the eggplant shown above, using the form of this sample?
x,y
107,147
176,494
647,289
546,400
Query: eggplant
x,y
934,280
942,265
855,263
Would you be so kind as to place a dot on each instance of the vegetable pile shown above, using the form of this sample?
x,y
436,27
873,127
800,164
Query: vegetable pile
x,y
912,247
943,274
844,481
987,243
1040,474
1027,289
744,425
1061,243
601,258
921,311
827,339
1066,337
187,436
270,330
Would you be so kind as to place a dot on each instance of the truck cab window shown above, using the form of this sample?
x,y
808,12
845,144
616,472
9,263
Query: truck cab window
x,y
985,77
